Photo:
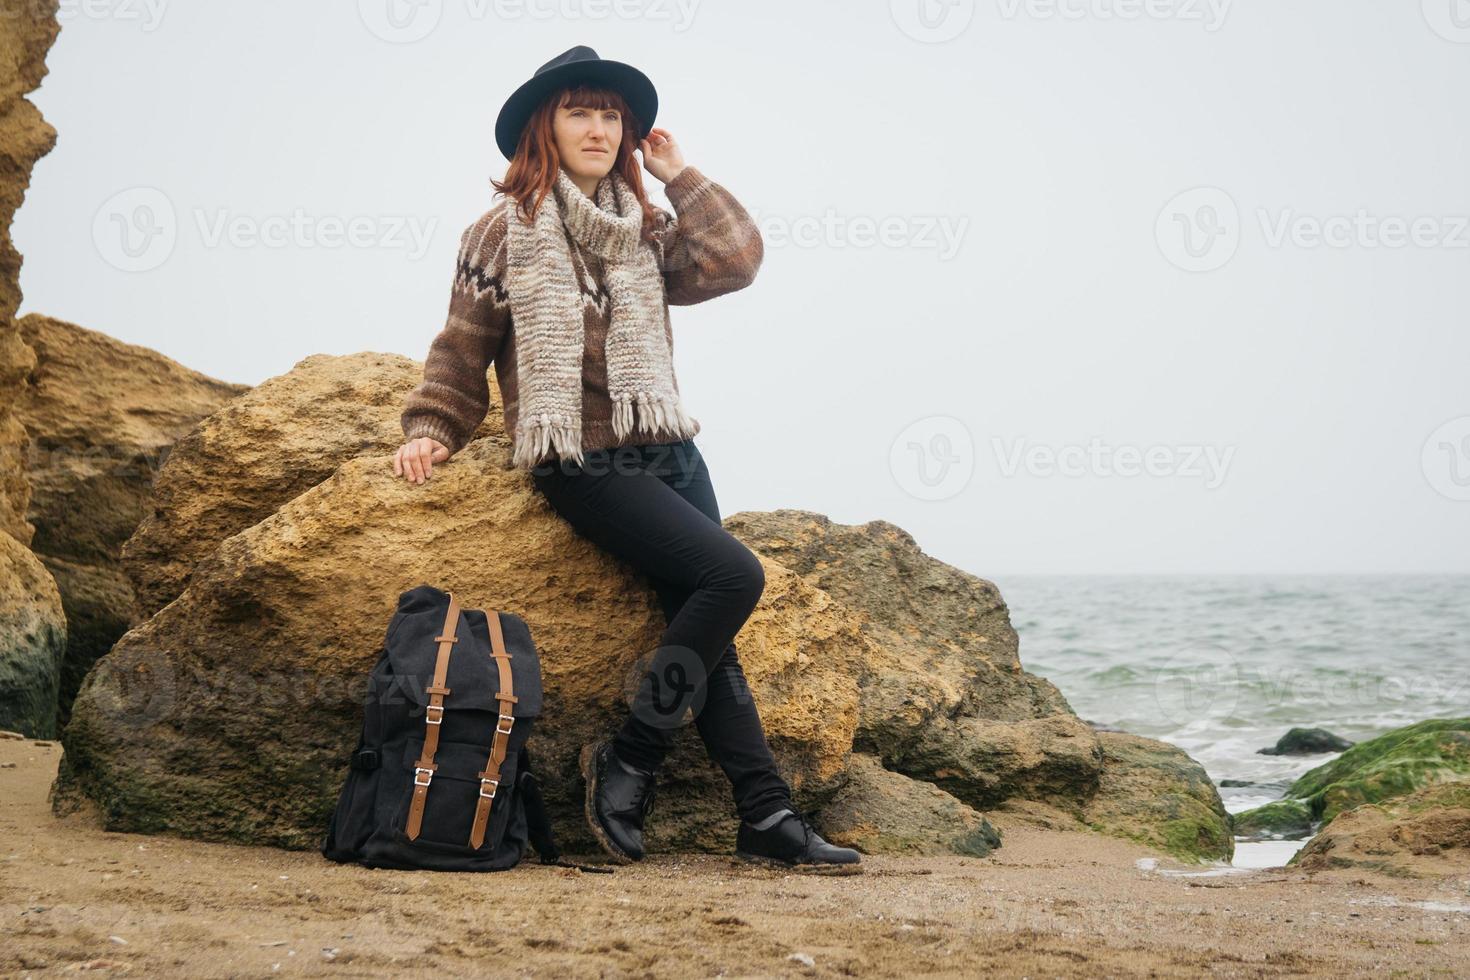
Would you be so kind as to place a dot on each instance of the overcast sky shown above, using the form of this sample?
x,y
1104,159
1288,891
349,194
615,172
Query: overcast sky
x,y
1077,286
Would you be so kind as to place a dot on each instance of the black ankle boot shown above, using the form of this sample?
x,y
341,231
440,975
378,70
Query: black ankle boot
x,y
792,842
617,800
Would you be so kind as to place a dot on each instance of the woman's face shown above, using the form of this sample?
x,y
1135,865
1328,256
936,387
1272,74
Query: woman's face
x,y
587,139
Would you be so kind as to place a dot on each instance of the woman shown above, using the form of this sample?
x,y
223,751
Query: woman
x,y
565,285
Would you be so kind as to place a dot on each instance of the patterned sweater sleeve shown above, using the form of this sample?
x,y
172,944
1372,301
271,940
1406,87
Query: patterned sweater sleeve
x,y
454,397
710,245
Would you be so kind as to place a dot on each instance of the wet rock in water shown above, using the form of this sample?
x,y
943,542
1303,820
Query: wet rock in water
x,y
1424,834
1281,820
1234,783
1307,741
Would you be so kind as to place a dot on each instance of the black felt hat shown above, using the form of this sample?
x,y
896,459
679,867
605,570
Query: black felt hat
x,y
574,65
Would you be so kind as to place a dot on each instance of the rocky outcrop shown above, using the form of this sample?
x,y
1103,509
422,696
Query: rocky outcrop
x,y
1156,794
32,642
270,445
102,415
1307,741
32,629
887,681
879,811
1421,835
25,137
944,698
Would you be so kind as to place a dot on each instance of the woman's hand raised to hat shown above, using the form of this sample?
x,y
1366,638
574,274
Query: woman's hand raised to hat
x,y
661,155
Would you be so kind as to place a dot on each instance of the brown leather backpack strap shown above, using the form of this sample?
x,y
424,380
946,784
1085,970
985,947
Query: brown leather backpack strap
x,y
424,769
490,775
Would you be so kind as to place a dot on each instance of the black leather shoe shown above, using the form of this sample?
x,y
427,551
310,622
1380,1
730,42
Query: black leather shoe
x,y
617,801
792,842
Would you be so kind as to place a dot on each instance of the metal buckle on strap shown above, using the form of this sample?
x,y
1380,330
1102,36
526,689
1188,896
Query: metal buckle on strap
x,y
509,720
494,785
430,718
419,769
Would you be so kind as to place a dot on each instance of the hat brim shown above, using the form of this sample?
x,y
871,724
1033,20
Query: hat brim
x,y
634,86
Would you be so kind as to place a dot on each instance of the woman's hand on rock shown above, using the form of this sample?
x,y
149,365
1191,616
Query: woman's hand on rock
x,y
415,459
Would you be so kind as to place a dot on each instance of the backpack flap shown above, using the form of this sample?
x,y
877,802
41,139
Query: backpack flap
x,y
473,678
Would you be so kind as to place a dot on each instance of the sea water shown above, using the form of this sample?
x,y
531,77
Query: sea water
x,y
1222,666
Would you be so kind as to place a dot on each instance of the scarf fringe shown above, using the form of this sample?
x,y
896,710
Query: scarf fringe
x,y
536,436
655,414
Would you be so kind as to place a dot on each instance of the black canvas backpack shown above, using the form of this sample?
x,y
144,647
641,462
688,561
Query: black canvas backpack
x,y
441,779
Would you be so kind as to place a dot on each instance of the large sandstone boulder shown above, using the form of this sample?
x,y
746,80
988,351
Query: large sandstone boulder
x,y
32,642
1423,834
228,714
102,415
25,137
265,448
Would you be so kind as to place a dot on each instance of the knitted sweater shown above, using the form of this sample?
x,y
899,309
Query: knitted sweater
x,y
708,247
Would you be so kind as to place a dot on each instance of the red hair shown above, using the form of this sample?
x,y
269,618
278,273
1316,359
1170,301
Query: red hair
x,y
532,171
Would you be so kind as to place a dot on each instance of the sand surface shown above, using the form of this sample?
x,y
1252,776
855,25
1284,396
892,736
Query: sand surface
x,y
1048,903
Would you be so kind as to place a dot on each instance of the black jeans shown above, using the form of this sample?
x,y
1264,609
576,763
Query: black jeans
x,y
653,506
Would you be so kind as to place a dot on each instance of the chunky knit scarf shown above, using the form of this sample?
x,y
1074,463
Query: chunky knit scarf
x,y
546,310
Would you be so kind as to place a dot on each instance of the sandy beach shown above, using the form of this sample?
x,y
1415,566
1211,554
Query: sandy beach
x,y
1047,903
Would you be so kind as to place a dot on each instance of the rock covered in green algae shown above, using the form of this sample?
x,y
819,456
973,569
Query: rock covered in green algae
x,y
1155,793
1283,819
1393,764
